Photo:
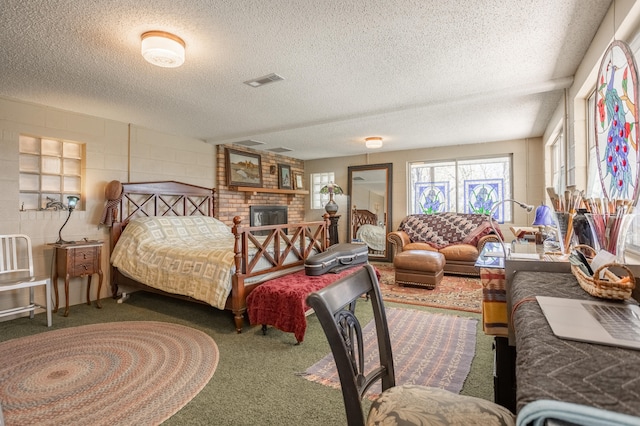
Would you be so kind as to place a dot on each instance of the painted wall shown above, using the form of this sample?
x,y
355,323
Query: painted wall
x,y
528,175
114,150
622,22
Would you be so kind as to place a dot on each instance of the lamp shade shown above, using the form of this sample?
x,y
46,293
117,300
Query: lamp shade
x,y
73,201
543,216
373,142
163,49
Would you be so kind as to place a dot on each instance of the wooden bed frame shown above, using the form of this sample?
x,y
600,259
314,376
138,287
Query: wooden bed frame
x,y
361,217
170,198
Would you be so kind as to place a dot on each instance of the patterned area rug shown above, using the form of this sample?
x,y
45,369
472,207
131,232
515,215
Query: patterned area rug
x,y
121,373
445,344
454,292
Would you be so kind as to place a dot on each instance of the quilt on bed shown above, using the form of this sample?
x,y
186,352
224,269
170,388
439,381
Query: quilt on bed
x,y
187,255
374,236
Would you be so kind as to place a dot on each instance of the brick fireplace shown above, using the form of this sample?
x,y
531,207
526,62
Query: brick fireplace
x,y
233,203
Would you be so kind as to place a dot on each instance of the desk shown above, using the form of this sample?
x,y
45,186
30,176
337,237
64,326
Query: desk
x,y
494,312
551,368
495,276
77,259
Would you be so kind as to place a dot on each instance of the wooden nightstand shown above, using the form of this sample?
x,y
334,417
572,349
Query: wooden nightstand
x,y
77,259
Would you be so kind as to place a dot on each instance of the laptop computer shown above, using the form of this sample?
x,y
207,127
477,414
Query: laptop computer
x,y
607,323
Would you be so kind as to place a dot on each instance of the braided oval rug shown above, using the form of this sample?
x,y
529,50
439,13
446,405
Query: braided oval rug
x,y
136,372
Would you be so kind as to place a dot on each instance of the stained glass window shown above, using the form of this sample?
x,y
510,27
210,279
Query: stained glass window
x,y
465,186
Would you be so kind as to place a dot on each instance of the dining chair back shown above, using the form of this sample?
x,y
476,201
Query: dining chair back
x,y
335,307
16,273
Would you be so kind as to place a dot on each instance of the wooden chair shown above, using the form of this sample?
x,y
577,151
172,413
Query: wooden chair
x,y
16,272
334,306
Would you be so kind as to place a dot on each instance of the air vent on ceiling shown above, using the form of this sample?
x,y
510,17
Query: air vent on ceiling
x,y
261,81
248,142
280,150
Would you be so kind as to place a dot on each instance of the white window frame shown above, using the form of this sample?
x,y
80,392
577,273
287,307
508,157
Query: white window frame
x,y
594,188
317,181
558,166
457,193
50,171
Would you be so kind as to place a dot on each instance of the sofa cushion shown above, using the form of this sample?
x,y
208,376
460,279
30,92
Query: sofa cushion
x,y
461,252
419,246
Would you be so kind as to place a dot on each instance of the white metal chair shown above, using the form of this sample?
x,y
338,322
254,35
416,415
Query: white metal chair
x,y
16,272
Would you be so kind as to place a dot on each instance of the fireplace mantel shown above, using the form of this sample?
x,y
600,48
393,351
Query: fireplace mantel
x,y
250,191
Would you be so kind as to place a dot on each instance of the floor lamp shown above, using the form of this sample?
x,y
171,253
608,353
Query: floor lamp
x,y
527,207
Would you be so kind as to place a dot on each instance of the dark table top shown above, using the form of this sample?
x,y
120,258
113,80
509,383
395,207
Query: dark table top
x,y
548,367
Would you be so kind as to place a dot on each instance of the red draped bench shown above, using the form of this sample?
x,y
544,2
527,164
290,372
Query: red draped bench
x,y
281,302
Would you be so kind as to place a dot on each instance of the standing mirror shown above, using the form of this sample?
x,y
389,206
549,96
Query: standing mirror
x,y
370,208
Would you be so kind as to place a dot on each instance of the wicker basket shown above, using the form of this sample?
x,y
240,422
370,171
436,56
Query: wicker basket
x,y
609,287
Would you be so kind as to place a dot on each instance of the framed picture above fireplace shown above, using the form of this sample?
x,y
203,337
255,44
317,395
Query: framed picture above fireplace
x,y
284,176
243,168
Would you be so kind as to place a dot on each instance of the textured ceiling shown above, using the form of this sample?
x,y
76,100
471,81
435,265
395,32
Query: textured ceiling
x,y
419,73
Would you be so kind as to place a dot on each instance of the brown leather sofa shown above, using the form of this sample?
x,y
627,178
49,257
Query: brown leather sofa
x,y
459,237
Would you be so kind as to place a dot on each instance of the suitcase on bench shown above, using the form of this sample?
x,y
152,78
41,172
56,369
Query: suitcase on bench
x,y
336,258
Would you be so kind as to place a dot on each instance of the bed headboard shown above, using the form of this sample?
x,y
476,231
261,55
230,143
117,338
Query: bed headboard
x,y
167,198
362,217
163,198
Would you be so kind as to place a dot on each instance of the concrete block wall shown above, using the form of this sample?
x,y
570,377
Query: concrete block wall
x,y
113,151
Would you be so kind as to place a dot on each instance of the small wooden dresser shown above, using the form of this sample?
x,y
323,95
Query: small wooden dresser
x,y
77,259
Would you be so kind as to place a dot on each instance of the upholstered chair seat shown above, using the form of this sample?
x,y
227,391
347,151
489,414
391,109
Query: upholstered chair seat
x,y
420,405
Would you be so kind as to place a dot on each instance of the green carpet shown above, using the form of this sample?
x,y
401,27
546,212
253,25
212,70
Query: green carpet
x,y
257,379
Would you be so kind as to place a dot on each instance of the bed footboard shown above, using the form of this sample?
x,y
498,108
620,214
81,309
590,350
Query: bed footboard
x,y
290,245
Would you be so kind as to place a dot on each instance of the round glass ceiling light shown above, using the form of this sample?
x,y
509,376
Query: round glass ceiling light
x,y
163,49
373,142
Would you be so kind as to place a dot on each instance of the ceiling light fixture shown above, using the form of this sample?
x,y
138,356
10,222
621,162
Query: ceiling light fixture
x,y
373,142
162,49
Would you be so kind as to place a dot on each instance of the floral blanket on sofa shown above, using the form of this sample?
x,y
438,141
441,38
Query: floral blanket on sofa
x,y
444,229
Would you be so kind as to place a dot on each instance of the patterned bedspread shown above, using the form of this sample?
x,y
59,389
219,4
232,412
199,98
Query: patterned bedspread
x,y
187,255
374,236
444,229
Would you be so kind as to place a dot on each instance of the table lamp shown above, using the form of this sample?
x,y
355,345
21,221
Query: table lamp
x,y
542,220
527,207
73,201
